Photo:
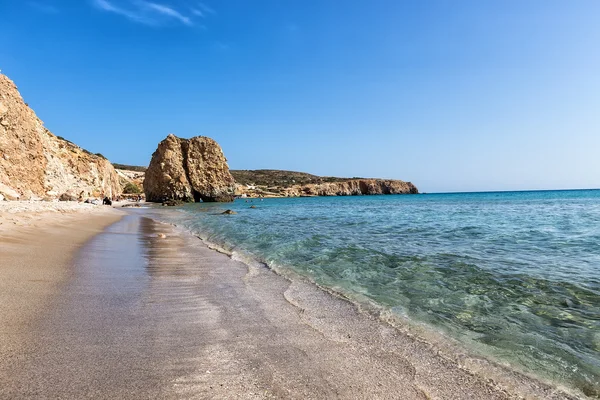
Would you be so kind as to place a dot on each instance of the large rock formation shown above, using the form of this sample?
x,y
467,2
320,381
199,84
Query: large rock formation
x,y
360,187
190,170
278,183
352,187
35,164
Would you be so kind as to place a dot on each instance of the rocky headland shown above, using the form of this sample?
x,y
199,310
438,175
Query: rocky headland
x,y
37,165
189,170
275,183
355,187
278,183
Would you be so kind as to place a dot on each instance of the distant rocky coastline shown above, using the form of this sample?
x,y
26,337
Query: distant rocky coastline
x,y
277,183
37,165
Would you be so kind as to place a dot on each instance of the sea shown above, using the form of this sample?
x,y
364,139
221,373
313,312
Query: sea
x,y
513,276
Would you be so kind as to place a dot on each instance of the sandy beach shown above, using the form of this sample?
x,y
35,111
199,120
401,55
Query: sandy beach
x,y
37,244
104,304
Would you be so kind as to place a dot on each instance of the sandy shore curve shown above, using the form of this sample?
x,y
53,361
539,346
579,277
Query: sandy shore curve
x,y
101,305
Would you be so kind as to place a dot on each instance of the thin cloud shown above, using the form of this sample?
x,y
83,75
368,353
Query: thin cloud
x,y
206,9
150,13
105,5
168,11
202,10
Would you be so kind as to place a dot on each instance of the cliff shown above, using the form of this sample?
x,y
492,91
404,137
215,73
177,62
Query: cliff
x,y
274,177
35,164
360,187
275,183
189,170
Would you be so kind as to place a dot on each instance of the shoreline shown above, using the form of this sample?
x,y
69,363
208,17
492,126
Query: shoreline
x,y
261,334
509,378
38,243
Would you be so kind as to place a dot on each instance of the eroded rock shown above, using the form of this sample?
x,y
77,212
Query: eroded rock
x,y
189,170
36,164
172,203
356,187
67,197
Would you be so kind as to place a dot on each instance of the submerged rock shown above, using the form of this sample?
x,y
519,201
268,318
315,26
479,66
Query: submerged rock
x,y
228,212
172,203
189,170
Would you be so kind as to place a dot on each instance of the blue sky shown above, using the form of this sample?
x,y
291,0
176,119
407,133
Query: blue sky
x,y
452,95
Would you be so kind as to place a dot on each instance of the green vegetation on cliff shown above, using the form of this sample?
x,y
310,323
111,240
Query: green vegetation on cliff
x,y
273,177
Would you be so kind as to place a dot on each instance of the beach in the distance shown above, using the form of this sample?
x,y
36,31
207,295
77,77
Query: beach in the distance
x,y
131,314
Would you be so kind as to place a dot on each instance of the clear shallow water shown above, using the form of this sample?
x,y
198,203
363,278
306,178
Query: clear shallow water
x,y
514,274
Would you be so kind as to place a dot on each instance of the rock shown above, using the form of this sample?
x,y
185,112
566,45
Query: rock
x,y
354,187
35,163
29,195
252,206
7,192
229,212
1,197
172,203
568,303
161,235
3,109
67,197
188,170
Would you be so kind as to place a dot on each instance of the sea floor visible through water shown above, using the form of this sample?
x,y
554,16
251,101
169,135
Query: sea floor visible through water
x,y
148,311
513,276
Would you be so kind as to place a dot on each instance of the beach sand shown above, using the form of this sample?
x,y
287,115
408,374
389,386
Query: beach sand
x,y
37,243
143,310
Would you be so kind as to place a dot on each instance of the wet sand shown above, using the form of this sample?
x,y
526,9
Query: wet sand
x,y
143,316
37,244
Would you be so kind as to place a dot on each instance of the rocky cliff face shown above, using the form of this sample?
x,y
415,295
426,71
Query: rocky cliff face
x,y
35,164
347,187
190,170
360,187
279,183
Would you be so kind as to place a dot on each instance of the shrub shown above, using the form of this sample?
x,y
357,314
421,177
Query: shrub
x,y
131,188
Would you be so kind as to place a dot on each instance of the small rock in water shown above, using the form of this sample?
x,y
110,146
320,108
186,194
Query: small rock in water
x,y
568,303
252,206
171,203
229,212
161,235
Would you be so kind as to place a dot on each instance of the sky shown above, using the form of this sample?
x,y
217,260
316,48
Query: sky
x,y
452,95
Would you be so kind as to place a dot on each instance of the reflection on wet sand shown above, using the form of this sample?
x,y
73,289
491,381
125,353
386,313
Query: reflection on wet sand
x,y
165,317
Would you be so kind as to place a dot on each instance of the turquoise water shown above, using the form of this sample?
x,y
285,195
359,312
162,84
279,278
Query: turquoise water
x,y
513,274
